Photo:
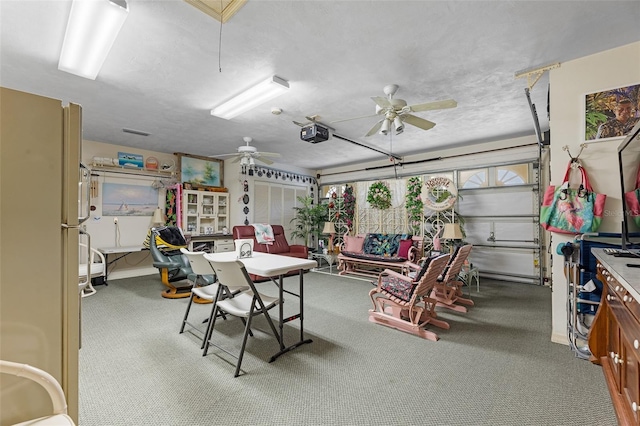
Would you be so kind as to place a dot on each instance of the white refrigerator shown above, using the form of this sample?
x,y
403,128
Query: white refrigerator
x,y
40,194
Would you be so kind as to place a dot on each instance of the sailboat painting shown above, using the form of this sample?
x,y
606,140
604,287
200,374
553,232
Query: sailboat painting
x,y
128,200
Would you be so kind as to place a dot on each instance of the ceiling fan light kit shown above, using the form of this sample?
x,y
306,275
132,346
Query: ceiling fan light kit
x,y
247,155
397,113
91,31
256,95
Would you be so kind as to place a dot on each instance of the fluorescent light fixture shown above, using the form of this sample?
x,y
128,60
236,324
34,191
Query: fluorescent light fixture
x,y
260,93
92,28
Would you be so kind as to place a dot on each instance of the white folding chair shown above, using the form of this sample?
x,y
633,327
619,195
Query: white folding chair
x,y
59,416
204,286
247,304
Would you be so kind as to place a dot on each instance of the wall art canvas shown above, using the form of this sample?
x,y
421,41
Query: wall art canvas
x,y
201,171
612,113
128,200
134,161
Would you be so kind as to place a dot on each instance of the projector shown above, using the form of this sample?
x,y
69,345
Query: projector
x,y
314,133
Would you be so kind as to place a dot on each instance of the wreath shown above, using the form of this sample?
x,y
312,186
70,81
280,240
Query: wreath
x,y
379,196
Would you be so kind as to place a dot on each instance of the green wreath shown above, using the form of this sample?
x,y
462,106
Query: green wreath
x,y
379,196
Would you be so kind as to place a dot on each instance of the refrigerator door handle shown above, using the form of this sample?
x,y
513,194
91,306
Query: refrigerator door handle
x,y
86,234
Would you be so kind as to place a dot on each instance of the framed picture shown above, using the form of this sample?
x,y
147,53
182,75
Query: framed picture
x,y
612,113
200,171
128,200
130,160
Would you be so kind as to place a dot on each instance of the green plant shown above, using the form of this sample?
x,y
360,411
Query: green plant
x,y
414,204
379,196
309,219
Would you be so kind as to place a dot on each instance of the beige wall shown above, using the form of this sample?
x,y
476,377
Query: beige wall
x,y
569,84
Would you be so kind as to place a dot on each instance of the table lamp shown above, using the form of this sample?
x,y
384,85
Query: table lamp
x,y
329,228
452,232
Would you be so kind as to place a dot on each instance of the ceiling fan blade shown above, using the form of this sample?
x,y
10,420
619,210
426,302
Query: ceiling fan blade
x,y
353,118
430,106
238,158
264,160
268,154
297,123
382,102
418,122
375,128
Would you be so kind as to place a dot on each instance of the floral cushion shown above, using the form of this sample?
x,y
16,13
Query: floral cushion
x,y
383,244
398,287
375,257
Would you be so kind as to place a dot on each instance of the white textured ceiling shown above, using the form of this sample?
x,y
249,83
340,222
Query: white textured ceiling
x,y
166,70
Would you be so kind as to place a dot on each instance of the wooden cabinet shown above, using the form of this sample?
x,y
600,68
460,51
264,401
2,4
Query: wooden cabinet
x,y
210,243
204,212
614,341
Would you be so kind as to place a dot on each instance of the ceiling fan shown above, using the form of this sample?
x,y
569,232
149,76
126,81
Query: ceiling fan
x,y
396,112
247,154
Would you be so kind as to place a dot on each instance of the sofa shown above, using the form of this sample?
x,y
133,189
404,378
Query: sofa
x,y
371,253
280,245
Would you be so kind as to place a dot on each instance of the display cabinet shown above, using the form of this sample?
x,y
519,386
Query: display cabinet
x,y
204,212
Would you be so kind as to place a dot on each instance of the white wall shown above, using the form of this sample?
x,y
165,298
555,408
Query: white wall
x,y
569,84
133,229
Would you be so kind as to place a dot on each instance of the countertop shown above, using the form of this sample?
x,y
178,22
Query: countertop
x,y
629,277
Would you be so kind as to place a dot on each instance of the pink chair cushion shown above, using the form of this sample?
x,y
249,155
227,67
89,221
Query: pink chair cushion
x,y
353,244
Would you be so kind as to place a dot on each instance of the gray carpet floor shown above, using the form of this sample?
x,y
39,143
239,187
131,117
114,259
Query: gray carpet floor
x,y
494,366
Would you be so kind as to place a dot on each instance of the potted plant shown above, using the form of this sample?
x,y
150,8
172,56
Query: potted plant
x,y
309,219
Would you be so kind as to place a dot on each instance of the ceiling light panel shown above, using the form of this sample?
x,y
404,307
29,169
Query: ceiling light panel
x,y
91,30
260,93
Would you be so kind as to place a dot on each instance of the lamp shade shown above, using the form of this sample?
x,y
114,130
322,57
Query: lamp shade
x,y
158,218
329,228
452,231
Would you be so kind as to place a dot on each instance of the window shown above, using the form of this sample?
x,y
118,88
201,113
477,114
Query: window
x,y
517,174
477,178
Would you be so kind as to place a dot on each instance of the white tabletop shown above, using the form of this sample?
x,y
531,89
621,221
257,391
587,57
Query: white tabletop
x,y
265,264
123,249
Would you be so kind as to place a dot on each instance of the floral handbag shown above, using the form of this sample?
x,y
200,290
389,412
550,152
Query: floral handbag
x,y
569,210
632,201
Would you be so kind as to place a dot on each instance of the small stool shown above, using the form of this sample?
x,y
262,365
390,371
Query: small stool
x,y
469,273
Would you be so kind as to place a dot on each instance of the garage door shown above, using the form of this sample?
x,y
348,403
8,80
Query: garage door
x,y
500,208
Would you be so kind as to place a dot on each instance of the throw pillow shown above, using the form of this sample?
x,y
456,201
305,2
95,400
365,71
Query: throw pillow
x,y
403,250
353,244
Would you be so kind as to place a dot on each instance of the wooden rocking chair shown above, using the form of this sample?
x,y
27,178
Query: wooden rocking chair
x,y
403,303
448,289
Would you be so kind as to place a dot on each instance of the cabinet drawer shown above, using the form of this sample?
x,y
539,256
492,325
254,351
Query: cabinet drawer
x,y
221,247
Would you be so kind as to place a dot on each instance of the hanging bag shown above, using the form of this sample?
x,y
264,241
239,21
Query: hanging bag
x,y
569,210
632,201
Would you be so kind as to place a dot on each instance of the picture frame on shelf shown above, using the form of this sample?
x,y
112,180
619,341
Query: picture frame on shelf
x,y
199,171
605,110
134,161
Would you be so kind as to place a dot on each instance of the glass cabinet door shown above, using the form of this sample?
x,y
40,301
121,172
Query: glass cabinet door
x,y
190,212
